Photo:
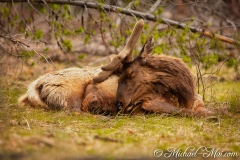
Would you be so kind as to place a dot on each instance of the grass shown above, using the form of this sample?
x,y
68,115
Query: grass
x,y
27,133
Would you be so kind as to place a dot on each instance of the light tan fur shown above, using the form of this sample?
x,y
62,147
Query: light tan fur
x,y
65,89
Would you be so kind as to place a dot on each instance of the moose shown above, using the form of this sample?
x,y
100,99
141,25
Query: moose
x,y
74,88
145,84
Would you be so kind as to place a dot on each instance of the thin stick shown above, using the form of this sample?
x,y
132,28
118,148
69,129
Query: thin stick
x,y
27,123
130,12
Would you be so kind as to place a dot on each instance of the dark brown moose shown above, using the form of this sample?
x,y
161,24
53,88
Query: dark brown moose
x,y
155,84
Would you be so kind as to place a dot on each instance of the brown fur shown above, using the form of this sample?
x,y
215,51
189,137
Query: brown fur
x,y
168,77
70,89
158,84
100,97
172,77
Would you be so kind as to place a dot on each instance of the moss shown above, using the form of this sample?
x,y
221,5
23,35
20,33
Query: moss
x,y
55,135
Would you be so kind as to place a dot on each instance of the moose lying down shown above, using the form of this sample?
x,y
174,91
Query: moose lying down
x,y
146,84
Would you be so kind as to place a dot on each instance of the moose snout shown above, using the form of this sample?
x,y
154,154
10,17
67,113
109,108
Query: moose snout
x,y
119,106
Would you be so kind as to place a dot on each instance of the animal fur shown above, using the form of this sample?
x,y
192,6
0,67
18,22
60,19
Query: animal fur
x,y
70,89
158,84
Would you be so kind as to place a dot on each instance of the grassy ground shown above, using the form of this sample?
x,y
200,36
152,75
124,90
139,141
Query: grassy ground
x,y
27,133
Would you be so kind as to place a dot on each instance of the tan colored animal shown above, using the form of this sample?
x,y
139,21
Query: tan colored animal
x,y
74,89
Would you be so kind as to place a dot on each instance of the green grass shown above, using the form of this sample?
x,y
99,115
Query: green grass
x,y
37,134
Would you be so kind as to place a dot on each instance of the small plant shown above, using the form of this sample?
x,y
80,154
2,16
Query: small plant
x,y
67,44
81,56
38,35
234,101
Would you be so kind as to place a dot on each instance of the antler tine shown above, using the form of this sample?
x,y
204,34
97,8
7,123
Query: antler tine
x,y
104,74
126,54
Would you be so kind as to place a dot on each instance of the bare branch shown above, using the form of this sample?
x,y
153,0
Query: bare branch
x,y
154,6
36,10
219,15
10,38
9,52
130,12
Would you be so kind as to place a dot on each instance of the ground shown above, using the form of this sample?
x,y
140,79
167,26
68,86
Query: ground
x,y
27,133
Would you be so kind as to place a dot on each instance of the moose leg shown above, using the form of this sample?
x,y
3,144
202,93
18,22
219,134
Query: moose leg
x,y
198,108
160,106
203,112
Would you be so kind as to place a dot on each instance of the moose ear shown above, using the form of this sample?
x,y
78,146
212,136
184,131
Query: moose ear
x,y
147,47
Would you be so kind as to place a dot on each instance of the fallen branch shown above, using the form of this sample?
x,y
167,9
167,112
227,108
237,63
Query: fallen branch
x,y
146,16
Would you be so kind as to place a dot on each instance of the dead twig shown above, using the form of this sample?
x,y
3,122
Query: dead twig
x,y
130,12
27,123
106,139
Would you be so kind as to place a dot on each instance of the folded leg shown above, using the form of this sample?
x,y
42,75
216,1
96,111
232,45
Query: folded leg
x,y
160,106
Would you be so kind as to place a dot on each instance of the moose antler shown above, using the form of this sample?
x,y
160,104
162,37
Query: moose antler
x,y
125,56
104,74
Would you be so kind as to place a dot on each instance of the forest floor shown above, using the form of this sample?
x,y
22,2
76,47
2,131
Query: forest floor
x,y
27,133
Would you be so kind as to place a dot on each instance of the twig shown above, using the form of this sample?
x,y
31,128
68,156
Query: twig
x,y
27,123
17,56
24,45
219,122
182,3
154,6
98,61
130,12
103,38
219,15
36,9
119,19
106,139
20,16
223,27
